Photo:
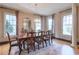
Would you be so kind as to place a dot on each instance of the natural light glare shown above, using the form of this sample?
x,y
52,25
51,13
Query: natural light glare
x,y
10,24
67,25
37,25
50,21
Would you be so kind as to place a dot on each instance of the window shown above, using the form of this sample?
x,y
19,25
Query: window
x,y
67,24
10,24
37,24
26,24
50,23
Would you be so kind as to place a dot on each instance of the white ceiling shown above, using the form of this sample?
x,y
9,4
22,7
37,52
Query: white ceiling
x,y
41,8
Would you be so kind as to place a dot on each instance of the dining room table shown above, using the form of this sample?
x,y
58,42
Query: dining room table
x,y
24,38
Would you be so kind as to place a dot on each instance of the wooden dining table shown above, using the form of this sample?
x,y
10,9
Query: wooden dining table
x,y
25,38
21,39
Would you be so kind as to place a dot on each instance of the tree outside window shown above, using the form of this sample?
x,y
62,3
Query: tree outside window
x,y
10,24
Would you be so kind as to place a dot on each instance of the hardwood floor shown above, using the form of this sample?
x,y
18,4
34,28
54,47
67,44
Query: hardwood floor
x,y
57,48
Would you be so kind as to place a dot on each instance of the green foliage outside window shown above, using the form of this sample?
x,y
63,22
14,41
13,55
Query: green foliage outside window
x,y
9,28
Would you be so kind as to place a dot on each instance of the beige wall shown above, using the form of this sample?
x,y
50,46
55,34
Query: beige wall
x,y
2,12
75,28
59,25
1,22
21,17
78,23
57,19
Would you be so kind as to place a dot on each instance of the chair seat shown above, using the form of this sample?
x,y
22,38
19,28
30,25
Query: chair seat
x,y
46,38
14,43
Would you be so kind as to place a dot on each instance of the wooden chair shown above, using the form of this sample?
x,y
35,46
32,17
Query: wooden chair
x,y
12,44
46,37
30,41
40,39
24,41
52,37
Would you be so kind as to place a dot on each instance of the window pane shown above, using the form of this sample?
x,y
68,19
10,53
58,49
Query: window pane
x,y
67,25
50,23
10,24
37,25
7,17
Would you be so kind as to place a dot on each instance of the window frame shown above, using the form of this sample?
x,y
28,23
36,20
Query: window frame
x,y
66,14
12,14
39,22
48,23
27,24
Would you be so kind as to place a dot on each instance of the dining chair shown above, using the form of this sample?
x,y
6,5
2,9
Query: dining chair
x,y
14,43
47,37
30,41
52,37
40,39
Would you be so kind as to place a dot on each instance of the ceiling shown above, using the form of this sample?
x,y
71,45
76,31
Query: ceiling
x,y
38,8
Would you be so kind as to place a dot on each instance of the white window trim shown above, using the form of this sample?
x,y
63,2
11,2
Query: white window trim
x,y
48,24
4,17
62,22
37,18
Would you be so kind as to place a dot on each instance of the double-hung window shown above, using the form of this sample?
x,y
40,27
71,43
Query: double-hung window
x,y
26,24
37,24
50,23
10,24
67,24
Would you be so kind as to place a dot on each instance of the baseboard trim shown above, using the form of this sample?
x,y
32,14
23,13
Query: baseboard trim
x,y
66,40
1,43
63,40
